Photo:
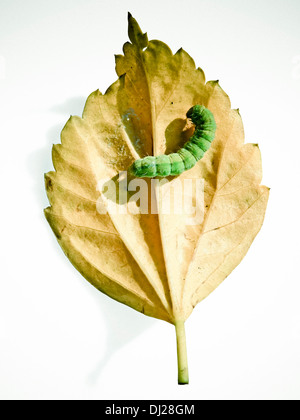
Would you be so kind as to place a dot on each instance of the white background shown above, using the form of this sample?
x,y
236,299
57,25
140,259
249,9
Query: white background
x,y
59,337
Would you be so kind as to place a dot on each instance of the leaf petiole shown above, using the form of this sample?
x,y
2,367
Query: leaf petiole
x,y
183,372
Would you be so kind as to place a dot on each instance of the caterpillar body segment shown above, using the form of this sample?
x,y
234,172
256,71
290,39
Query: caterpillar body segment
x,y
186,157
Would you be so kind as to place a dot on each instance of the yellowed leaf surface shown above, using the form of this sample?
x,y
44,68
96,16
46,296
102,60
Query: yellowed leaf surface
x,y
157,264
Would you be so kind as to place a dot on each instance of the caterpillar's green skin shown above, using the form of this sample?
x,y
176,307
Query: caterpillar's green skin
x,y
187,156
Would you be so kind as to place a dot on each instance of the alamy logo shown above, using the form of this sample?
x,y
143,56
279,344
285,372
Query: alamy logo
x,y
184,197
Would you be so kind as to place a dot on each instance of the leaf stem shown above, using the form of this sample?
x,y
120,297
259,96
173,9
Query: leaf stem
x,y
183,372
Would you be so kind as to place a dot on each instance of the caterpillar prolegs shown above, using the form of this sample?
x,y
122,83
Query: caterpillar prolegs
x,y
188,155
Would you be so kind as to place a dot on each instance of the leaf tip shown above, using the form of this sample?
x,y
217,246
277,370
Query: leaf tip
x,y
135,33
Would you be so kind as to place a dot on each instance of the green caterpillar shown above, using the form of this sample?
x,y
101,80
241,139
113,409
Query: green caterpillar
x,y
187,156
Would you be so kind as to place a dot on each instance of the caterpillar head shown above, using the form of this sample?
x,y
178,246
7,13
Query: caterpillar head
x,y
195,112
202,116
189,114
